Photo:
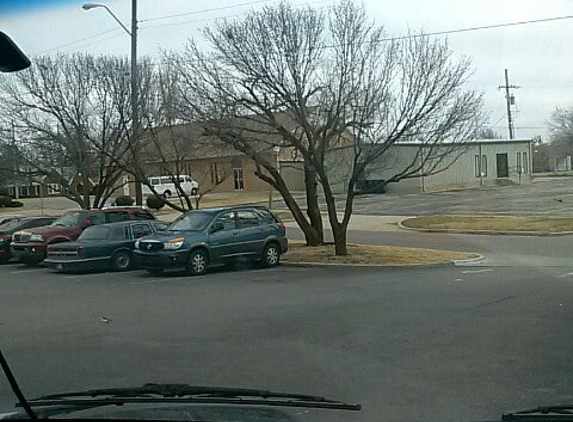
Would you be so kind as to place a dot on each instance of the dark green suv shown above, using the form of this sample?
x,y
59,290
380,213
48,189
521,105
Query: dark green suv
x,y
200,238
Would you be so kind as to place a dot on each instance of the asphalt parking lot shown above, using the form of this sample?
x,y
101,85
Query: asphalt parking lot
x,y
546,196
447,343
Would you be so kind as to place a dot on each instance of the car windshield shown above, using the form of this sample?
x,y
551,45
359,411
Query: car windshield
x,y
71,219
10,226
195,220
368,201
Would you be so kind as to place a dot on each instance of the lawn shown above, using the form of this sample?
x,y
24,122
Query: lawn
x,y
498,224
371,255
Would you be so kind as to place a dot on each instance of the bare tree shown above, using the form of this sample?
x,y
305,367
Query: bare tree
x,y
73,115
329,82
561,131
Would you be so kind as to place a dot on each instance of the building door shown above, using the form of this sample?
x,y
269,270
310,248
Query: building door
x,y
125,182
502,168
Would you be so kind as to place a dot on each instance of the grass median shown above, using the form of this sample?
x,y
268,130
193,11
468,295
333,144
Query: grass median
x,y
490,224
371,255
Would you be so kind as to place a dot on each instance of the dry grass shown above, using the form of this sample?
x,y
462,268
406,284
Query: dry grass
x,y
491,223
371,255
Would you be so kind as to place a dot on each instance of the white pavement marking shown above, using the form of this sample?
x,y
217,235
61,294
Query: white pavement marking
x,y
87,275
158,280
33,270
458,279
485,270
565,275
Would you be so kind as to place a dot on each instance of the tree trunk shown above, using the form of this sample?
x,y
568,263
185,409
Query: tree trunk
x,y
312,206
312,236
339,234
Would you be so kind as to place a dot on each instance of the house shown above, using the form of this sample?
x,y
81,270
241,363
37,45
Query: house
x,y
470,164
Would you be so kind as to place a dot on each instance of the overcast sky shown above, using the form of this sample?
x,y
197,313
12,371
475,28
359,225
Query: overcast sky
x,y
537,55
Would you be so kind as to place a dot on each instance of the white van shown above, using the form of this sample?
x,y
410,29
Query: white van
x,y
164,185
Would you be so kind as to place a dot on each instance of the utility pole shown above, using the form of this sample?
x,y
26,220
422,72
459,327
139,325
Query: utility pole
x,y
510,100
135,102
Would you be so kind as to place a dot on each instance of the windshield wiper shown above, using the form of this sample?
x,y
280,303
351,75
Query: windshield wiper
x,y
184,393
562,412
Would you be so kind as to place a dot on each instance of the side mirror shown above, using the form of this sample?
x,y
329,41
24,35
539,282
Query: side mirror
x,y
217,226
12,58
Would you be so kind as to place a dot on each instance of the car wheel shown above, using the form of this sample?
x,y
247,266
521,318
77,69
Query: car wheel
x,y
271,255
194,191
121,261
198,262
167,194
155,271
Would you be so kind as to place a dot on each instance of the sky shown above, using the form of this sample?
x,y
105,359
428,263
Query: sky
x,y
538,55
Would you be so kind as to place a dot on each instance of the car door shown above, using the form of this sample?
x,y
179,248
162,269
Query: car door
x,y
251,233
224,242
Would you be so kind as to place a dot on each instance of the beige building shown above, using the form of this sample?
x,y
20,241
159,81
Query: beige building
x,y
476,163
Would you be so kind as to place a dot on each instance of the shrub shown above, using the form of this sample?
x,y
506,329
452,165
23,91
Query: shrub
x,y
15,204
155,202
5,200
4,191
124,201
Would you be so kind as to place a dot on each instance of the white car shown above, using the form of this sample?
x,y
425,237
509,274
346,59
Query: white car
x,y
164,185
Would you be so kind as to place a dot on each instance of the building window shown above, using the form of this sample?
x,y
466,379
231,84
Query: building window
x,y
525,163
519,163
53,188
477,166
239,182
215,177
483,166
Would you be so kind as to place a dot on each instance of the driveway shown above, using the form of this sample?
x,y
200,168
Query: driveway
x,y
546,196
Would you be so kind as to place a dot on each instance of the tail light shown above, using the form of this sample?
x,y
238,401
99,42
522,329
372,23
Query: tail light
x,y
281,225
81,252
5,236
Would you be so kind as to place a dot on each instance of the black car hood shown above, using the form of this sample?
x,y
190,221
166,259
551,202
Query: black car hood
x,y
216,413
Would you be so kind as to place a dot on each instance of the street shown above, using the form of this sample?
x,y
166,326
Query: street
x,y
421,344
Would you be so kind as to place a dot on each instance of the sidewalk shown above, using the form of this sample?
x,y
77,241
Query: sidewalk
x,y
373,223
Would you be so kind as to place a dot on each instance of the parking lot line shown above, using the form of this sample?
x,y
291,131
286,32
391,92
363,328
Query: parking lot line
x,y
157,280
31,270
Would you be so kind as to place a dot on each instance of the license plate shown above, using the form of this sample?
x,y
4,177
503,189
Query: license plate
x,y
59,267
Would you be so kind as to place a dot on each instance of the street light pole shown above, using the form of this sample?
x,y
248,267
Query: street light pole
x,y
134,84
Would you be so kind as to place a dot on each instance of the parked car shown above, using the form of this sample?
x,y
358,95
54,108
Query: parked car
x,y
30,246
7,229
200,238
5,218
105,246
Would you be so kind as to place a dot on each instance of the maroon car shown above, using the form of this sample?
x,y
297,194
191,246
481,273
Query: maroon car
x,y
30,246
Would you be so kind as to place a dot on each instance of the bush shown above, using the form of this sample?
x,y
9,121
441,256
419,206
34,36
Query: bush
x,y
124,201
4,191
155,202
15,204
5,200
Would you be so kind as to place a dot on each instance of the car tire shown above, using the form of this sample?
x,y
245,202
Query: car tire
x,y
198,262
167,194
271,255
121,261
194,191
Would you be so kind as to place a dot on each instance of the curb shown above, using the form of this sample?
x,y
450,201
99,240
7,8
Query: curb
x,y
335,265
483,232
478,258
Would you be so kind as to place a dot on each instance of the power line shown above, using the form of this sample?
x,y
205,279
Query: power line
x,y
99,34
214,18
214,9
478,28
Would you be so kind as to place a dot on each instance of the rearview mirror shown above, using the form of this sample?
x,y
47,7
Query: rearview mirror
x,y
217,226
11,57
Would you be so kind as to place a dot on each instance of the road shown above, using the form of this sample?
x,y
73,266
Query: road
x,y
445,343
